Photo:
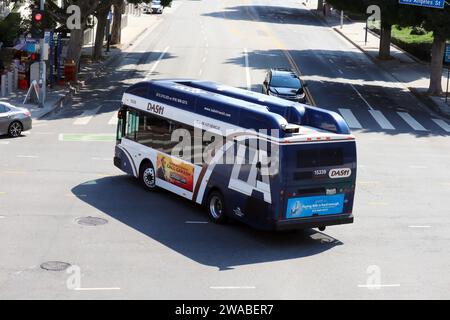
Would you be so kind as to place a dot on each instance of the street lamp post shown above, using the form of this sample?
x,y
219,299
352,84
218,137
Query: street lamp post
x,y
42,67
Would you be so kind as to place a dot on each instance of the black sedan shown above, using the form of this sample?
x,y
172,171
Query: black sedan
x,y
285,84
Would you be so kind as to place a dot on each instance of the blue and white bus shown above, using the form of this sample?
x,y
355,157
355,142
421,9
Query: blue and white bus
x,y
270,163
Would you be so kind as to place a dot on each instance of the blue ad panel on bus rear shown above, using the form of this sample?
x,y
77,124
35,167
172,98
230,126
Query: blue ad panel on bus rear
x,y
318,205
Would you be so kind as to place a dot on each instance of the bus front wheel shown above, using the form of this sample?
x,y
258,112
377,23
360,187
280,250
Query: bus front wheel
x,y
216,207
147,176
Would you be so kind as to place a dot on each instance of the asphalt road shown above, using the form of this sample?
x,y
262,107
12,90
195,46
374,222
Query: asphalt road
x,y
159,246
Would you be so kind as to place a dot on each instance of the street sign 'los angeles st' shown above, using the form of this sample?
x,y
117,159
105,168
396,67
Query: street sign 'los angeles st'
x,y
425,3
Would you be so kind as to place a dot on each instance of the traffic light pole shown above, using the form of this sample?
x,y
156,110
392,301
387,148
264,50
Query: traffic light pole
x,y
42,68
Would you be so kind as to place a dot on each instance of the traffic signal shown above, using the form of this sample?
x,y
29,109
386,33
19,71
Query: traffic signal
x,y
34,57
37,24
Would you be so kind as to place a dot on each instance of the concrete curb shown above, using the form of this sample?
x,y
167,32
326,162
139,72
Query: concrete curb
x,y
427,102
58,103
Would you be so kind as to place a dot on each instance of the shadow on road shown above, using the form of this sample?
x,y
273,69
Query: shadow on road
x,y
267,14
108,85
347,79
162,216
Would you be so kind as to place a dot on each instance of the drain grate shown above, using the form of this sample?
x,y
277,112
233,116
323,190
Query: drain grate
x,y
55,266
91,221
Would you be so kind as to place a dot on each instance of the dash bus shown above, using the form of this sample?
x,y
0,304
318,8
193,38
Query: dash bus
x,y
270,163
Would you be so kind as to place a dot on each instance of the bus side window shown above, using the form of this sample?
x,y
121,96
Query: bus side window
x,y
132,125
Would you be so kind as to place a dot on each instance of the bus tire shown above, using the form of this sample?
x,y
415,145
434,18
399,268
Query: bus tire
x,y
147,176
216,207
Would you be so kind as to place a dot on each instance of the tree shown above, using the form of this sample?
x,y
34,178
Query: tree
x,y
319,5
390,15
10,28
101,13
87,8
437,21
116,33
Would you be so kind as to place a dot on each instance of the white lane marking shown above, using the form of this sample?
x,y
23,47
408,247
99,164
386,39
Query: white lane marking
x,y
155,65
331,60
381,120
419,226
197,222
4,142
350,118
95,289
233,287
204,60
24,156
377,286
247,70
340,71
114,120
361,96
207,45
441,123
417,167
411,121
86,116
200,72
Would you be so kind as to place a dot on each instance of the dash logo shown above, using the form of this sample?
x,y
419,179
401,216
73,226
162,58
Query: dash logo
x,y
340,173
155,108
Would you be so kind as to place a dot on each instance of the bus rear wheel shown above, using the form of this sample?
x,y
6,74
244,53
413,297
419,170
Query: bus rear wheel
x,y
216,208
147,176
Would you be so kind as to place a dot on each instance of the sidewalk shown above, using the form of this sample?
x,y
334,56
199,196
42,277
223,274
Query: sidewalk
x,y
137,25
405,68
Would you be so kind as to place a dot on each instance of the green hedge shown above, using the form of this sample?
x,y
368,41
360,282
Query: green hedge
x,y
417,45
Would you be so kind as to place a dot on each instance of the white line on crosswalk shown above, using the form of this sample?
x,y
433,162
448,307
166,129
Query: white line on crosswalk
x,y
86,117
381,119
350,118
441,123
114,120
411,121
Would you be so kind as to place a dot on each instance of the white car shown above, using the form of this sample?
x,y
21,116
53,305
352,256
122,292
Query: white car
x,y
156,6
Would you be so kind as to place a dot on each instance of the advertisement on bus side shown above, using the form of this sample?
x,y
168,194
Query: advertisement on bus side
x,y
175,172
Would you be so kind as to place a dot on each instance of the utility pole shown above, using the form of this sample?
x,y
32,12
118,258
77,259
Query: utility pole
x,y
42,67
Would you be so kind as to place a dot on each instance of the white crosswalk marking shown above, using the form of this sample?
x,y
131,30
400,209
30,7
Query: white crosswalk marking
x,y
441,123
114,120
86,117
411,121
381,120
350,118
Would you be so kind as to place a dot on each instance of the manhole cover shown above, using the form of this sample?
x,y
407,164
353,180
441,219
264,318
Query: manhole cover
x,y
55,266
91,221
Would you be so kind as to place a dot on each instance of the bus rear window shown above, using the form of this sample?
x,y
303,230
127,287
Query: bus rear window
x,y
320,157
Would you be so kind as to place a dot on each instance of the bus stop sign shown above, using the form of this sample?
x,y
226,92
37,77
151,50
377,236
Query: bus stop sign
x,y
439,4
